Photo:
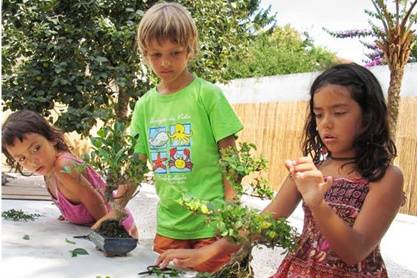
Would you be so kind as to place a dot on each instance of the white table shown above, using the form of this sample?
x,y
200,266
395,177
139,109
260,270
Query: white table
x,y
47,254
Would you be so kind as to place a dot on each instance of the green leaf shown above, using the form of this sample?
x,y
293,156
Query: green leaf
x,y
78,251
67,169
69,241
101,59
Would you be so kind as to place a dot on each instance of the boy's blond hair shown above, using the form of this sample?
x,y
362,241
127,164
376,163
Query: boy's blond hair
x,y
167,21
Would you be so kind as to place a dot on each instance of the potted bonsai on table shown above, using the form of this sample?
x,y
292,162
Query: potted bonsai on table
x,y
114,157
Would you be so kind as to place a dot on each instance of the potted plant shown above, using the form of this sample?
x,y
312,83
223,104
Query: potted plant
x,y
239,223
114,157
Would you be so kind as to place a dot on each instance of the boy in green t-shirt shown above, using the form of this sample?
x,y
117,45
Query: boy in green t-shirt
x,y
182,123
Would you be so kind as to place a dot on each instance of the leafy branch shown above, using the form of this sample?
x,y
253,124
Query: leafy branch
x,y
114,156
239,223
19,215
239,163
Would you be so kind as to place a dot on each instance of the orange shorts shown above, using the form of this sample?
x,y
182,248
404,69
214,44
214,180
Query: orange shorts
x,y
161,244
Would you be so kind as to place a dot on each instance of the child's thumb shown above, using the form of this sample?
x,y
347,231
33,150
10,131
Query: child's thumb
x,y
328,181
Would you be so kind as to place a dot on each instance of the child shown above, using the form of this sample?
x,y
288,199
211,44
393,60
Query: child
x,y
351,192
182,123
30,142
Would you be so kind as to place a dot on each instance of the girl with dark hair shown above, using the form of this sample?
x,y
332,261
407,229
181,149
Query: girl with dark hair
x,y
350,190
29,142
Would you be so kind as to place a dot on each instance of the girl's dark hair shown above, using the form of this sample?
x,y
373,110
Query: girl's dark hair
x,y
20,123
374,147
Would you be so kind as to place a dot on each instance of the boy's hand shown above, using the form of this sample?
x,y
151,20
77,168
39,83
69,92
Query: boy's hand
x,y
310,181
183,258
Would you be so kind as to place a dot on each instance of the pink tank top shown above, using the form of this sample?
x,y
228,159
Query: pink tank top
x,y
78,213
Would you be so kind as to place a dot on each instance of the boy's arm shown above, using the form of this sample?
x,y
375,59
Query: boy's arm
x,y
224,143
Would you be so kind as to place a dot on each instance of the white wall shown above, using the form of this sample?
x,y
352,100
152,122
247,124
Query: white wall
x,y
293,87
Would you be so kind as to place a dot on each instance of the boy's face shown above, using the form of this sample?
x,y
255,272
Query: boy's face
x,y
168,60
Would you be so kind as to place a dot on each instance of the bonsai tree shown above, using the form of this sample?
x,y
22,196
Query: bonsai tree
x,y
113,155
239,223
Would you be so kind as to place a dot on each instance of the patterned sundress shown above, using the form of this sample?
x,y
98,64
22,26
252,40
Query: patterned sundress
x,y
314,257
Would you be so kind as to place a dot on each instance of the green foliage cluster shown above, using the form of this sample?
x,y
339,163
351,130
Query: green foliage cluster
x,y
114,156
283,51
19,215
244,225
239,223
81,53
237,164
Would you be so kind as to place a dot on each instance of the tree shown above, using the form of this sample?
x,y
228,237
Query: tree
x,y
396,42
81,53
78,53
283,51
395,45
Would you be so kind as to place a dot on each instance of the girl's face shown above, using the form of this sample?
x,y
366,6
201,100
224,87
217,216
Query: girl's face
x,y
35,153
168,61
338,119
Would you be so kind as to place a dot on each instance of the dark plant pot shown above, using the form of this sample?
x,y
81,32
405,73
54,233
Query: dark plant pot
x,y
112,246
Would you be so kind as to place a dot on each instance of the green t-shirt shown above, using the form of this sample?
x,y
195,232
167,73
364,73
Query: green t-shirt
x,y
179,134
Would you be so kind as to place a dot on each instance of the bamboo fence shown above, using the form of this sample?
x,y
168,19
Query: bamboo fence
x,y
276,129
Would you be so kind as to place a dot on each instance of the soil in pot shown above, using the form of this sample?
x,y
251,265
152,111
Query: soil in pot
x,y
112,239
112,228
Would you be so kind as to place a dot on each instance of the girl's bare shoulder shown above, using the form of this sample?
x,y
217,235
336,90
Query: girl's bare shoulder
x,y
391,182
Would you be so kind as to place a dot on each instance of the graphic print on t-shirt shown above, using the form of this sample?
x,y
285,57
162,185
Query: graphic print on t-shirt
x,y
170,148
180,134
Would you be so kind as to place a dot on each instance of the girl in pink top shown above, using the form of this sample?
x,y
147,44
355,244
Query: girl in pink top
x,y
30,142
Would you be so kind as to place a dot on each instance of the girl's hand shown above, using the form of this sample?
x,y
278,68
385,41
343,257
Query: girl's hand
x,y
111,215
310,181
183,258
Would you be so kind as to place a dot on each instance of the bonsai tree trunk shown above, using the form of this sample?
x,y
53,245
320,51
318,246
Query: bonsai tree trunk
x,y
122,105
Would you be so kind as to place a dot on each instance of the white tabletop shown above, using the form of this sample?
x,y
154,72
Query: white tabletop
x,y
47,253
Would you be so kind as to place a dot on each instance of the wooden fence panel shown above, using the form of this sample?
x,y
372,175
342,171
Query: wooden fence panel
x,y
276,128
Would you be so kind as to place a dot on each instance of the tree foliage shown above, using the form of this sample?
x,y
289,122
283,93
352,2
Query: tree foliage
x,y
81,53
283,51
396,41
374,54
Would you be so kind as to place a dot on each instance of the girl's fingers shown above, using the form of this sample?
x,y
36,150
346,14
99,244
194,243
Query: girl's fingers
x,y
300,165
290,166
304,159
306,166
309,174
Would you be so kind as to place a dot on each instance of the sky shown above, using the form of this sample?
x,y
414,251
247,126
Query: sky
x,y
335,15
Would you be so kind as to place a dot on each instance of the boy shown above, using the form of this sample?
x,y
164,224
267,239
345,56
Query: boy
x,y
182,123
